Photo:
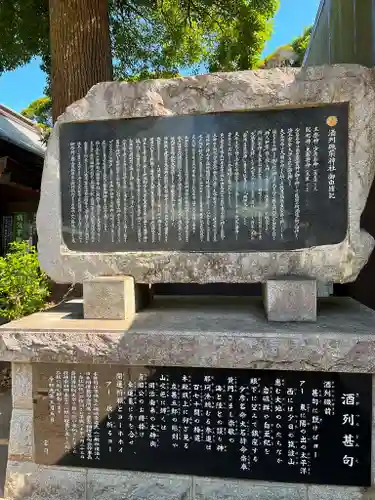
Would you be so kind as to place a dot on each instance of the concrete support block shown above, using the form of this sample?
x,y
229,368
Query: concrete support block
x,y
22,395
290,299
21,437
32,482
114,297
337,493
118,485
217,489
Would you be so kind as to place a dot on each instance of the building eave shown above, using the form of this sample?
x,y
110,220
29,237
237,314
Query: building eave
x,y
18,130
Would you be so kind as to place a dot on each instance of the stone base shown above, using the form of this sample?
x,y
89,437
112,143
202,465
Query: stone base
x,y
32,482
203,331
290,299
114,297
228,332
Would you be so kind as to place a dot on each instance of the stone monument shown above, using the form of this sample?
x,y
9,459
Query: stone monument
x,y
248,177
214,179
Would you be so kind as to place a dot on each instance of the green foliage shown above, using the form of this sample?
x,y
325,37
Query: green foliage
x,y
24,31
151,37
23,286
273,55
300,44
152,75
162,36
243,29
40,112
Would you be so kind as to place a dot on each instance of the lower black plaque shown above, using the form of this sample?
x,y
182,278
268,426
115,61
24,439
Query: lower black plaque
x,y
265,425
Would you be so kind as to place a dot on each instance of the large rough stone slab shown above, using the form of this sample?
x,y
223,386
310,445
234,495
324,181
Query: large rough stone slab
x,y
212,93
26,480
215,489
338,493
118,485
208,332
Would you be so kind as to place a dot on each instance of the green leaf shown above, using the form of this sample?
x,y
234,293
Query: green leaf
x,y
151,38
23,286
300,45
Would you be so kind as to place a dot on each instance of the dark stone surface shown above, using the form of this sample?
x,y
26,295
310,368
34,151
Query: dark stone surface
x,y
5,417
3,466
264,425
220,182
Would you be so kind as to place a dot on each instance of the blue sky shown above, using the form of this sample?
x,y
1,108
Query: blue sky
x,y
20,87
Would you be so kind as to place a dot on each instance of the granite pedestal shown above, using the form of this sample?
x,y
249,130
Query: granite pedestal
x,y
201,332
290,298
114,297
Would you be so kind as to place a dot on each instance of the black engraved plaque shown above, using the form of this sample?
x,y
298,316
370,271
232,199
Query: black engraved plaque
x,y
264,425
233,182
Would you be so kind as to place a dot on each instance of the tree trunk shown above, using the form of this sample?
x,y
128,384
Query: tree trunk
x,y
80,49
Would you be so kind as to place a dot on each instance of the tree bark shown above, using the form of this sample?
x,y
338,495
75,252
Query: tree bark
x,y
80,49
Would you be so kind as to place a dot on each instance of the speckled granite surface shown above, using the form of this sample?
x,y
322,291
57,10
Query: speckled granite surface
x,y
201,331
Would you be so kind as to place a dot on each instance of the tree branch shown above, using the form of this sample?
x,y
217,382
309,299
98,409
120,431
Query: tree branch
x,y
204,12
